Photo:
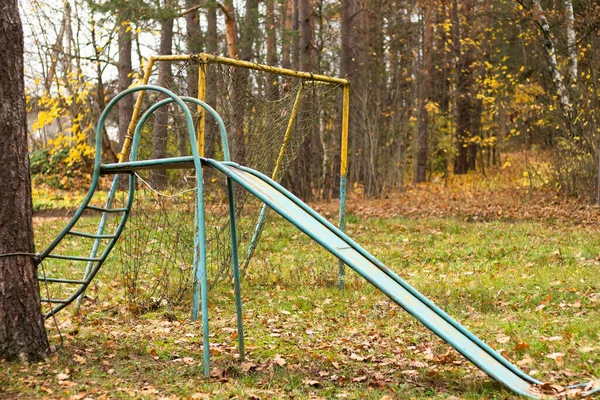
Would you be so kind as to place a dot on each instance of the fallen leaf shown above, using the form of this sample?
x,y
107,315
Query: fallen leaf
x,y
525,361
79,360
557,357
279,360
62,376
247,366
522,346
312,382
359,378
199,395
502,339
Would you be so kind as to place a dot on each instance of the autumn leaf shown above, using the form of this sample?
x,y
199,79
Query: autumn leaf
x,y
521,346
279,360
557,357
62,376
312,382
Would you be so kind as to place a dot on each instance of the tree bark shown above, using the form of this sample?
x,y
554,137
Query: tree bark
x,y
464,82
557,78
160,131
22,331
212,47
125,67
421,159
305,160
287,13
107,148
230,28
571,40
273,81
194,44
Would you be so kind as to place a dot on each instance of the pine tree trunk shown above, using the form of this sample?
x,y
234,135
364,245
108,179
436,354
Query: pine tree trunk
x,y
125,67
194,42
421,159
212,47
22,331
464,82
160,131
305,163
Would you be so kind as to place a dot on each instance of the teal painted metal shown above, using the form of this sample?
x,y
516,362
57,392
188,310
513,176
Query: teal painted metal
x,y
342,226
200,284
201,290
388,271
100,231
96,262
307,220
335,241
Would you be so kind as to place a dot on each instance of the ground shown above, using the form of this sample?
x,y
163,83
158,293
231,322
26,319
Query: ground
x,y
517,267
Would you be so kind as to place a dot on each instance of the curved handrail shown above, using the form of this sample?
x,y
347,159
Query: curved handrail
x,y
211,111
98,154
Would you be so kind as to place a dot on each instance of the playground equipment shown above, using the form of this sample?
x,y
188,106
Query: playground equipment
x,y
287,205
269,113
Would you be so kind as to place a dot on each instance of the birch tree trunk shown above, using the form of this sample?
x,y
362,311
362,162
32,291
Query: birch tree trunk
x,y
571,40
557,78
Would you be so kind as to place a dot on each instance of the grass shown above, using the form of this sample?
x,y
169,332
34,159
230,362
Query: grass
x,y
530,289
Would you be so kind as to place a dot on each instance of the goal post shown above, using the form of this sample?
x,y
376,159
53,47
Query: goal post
x,y
283,144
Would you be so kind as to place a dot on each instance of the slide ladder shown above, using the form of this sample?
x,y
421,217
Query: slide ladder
x,y
102,243
300,215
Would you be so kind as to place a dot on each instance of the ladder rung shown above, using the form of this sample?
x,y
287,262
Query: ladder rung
x,y
74,258
61,280
46,300
107,210
91,235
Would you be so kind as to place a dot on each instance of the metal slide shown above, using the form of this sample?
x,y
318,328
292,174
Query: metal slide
x,y
344,248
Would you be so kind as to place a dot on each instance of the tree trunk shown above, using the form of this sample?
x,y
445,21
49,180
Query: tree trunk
x,y
194,41
557,78
160,131
305,160
107,148
273,81
125,66
22,331
57,48
571,40
295,36
287,13
421,159
230,28
464,81
212,47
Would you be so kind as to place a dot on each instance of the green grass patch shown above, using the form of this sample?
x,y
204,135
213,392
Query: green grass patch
x,y
530,290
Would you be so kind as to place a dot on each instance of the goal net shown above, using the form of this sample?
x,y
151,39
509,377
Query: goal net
x,y
284,124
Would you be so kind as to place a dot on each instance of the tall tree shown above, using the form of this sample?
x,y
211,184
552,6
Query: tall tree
x,y
571,39
212,47
427,71
230,28
160,130
22,332
464,81
125,68
306,157
557,77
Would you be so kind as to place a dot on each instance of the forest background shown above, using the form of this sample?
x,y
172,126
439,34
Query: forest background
x,y
439,88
